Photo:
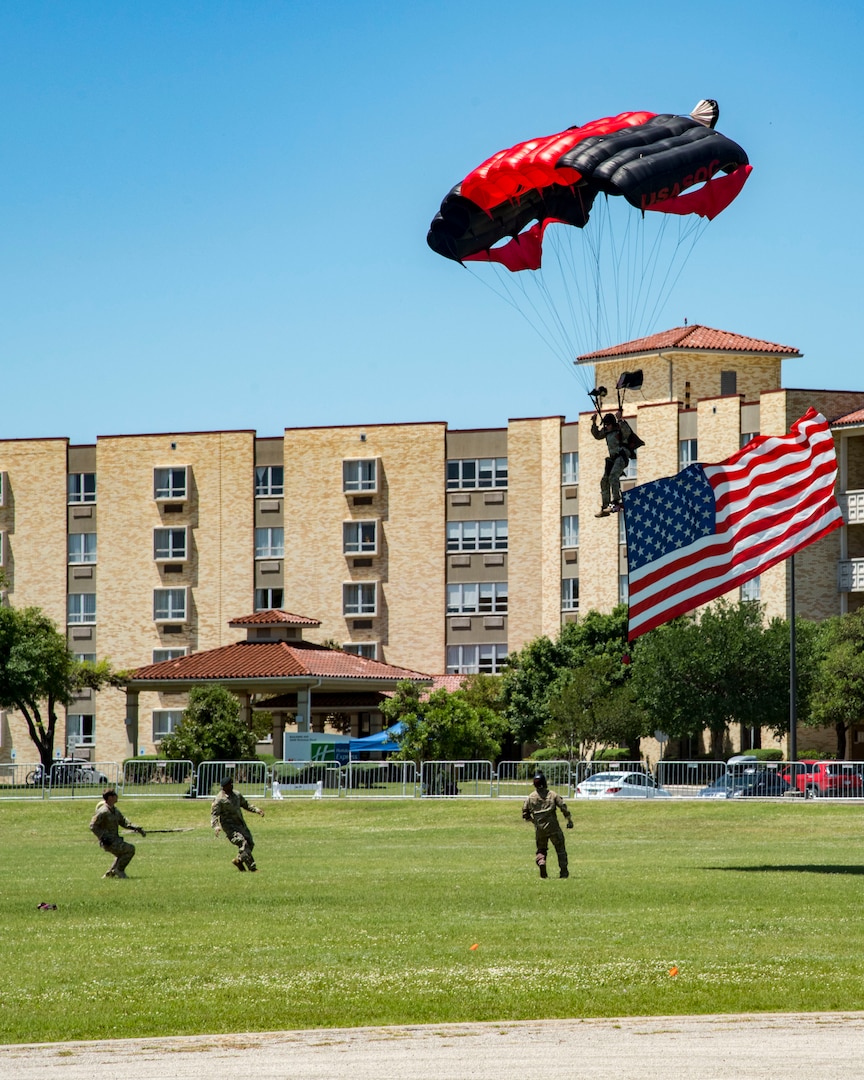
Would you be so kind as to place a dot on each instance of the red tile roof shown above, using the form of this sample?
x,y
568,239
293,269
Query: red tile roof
x,y
856,417
274,617
692,338
450,683
271,660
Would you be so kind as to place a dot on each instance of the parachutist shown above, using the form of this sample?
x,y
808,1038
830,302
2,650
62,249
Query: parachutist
x,y
621,443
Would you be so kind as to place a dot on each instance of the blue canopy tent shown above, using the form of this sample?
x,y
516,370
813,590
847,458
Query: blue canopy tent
x,y
382,742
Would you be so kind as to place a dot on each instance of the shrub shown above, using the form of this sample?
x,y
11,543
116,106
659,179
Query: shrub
x,y
613,753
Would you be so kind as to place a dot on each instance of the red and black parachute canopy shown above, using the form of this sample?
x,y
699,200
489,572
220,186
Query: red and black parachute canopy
x,y
656,162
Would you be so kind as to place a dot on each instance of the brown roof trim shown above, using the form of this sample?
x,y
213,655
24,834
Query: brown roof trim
x,y
368,427
175,434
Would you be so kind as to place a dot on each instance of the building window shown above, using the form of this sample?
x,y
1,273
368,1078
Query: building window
x,y
268,599
746,437
570,468
81,608
81,547
269,480
160,655
169,605
2,548
752,590
688,451
360,598
85,657
270,543
165,722
360,537
630,472
728,383
570,594
81,487
2,489
570,531
80,729
623,589
477,473
170,483
477,535
169,544
369,649
476,659
477,598
622,529
360,475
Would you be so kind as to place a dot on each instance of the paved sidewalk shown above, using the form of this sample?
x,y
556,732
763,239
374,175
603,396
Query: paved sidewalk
x,y
761,1047
790,1046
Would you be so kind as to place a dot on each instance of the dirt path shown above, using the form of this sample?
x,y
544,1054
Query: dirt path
x,y
790,1046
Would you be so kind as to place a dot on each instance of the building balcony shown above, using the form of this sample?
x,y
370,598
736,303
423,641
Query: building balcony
x,y
852,505
850,575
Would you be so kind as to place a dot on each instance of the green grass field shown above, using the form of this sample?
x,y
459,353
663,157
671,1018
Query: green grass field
x,y
364,913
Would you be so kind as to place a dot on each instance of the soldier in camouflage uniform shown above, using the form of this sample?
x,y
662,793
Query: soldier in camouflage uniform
x,y
105,825
226,815
541,807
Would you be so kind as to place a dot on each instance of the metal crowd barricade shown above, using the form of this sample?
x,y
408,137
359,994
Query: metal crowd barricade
x,y
380,779
250,778
306,779
686,779
27,780
82,779
449,779
514,777
158,777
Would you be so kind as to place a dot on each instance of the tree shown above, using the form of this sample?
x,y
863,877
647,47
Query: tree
x,y
590,707
39,674
444,726
721,669
211,729
531,672
837,698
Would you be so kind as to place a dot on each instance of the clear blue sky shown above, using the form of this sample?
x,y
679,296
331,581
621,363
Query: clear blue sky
x,y
214,213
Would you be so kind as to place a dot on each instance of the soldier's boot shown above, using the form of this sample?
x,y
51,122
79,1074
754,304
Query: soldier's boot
x,y
251,866
120,873
238,862
562,866
541,862
108,873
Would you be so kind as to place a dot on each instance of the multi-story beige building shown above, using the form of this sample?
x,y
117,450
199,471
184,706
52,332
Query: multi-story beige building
x,y
424,547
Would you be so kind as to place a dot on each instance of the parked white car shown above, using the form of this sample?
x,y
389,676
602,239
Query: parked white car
x,y
621,785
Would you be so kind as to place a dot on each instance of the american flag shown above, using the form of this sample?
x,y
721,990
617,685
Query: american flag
x,y
694,536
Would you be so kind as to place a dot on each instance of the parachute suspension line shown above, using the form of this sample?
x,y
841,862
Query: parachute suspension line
x,y
511,289
661,286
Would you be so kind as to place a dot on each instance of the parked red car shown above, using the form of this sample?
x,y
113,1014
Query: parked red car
x,y
817,779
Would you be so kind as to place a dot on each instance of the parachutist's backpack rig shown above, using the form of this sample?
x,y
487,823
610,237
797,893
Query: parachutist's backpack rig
x,y
629,380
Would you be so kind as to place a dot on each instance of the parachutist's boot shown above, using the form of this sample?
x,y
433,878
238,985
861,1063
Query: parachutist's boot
x,y
541,862
605,511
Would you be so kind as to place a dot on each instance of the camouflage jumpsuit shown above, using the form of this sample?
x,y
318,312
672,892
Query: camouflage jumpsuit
x,y
541,808
616,437
226,812
105,825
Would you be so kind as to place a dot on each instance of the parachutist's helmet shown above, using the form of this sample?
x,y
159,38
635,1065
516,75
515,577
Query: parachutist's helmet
x,y
539,781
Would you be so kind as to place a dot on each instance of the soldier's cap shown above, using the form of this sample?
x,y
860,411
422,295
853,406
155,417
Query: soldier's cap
x,y
227,781
109,791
